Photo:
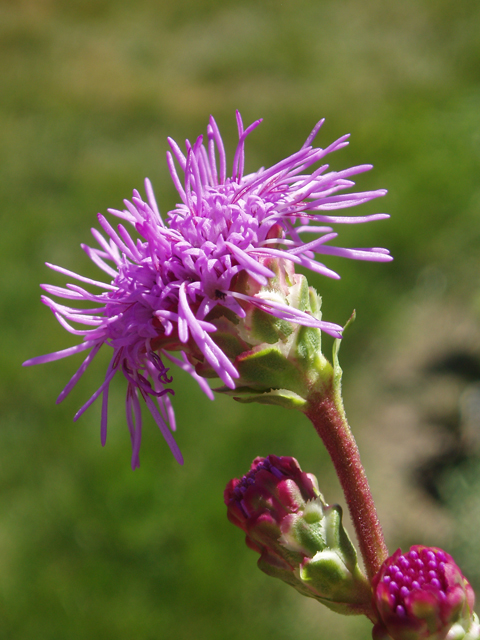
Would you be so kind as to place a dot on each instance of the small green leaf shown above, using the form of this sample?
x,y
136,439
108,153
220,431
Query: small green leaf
x,y
337,370
277,397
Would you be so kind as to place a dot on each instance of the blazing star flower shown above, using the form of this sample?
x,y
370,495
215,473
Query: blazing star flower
x,y
168,277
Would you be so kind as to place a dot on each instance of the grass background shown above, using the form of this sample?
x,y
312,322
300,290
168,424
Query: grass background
x,y
90,89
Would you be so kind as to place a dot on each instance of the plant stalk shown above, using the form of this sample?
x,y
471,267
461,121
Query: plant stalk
x,y
326,412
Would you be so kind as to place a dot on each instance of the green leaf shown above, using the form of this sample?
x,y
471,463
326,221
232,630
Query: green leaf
x,y
337,370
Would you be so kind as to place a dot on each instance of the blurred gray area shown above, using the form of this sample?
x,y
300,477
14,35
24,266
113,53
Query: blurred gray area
x,y
90,89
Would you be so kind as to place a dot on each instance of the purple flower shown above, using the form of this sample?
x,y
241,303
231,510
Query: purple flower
x,y
166,278
421,594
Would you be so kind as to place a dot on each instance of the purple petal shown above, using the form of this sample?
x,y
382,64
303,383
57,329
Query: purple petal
x,y
66,272
79,373
57,355
164,429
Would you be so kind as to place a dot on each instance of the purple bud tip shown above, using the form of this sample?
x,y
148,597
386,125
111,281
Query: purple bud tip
x,y
420,593
271,464
273,488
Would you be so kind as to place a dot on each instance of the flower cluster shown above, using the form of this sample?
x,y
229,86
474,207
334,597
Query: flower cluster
x,y
423,594
165,278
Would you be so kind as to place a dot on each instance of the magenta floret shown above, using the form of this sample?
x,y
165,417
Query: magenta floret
x,y
420,594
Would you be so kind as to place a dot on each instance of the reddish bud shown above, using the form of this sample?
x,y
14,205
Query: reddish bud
x,y
422,594
300,539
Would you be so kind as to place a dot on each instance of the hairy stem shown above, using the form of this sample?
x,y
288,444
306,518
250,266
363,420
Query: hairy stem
x,y
325,410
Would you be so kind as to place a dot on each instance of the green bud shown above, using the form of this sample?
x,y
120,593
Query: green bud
x,y
301,539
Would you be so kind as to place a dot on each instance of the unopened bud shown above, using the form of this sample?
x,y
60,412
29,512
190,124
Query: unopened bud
x,y
299,537
422,594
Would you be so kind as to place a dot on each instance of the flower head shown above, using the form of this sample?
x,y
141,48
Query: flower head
x,y
215,250
300,539
423,594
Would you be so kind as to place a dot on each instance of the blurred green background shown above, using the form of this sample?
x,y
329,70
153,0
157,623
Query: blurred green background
x,y
89,91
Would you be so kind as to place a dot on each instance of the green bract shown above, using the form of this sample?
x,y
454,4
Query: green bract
x,y
329,571
279,362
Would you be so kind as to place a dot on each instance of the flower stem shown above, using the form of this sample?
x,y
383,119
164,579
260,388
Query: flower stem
x,y
325,410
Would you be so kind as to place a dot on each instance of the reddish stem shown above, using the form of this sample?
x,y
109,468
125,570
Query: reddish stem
x,y
330,422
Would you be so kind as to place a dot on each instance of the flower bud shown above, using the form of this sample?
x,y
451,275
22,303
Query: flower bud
x,y
299,537
422,594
